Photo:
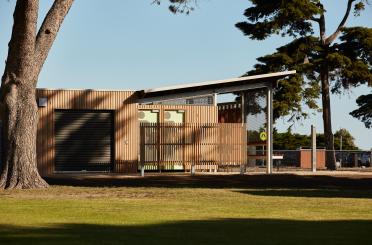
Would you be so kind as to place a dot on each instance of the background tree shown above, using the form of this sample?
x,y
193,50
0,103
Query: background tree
x,y
27,52
293,141
290,141
343,57
348,141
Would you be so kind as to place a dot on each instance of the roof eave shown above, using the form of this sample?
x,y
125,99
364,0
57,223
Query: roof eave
x,y
262,78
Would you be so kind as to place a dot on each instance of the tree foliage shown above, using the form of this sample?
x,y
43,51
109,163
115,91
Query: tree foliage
x,y
180,6
364,112
298,89
290,17
349,63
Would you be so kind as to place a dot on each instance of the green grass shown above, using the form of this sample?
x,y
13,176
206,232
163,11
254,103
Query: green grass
x,y
150,215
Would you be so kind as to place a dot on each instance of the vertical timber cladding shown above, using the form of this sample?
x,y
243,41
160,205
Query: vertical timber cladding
x,y
84,140
151,153
122,104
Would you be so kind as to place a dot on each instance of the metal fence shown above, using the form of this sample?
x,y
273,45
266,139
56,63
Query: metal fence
x,y
353,159
295,160
301,159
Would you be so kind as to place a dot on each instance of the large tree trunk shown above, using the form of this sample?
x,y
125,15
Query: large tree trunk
x,y
327,120
28,50
19,169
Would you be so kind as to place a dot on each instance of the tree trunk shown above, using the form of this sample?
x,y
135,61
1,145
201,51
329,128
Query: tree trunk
x,y
19,168
327,120
28,50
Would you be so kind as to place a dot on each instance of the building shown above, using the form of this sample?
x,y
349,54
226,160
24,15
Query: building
x,y
99,131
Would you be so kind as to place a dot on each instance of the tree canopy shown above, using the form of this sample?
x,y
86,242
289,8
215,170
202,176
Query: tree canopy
x,y
293,141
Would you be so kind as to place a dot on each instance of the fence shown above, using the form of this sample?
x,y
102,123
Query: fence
x,y
210,146
353,159
301,159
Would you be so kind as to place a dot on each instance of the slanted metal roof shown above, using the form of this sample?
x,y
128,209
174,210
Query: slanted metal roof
x,y
211,87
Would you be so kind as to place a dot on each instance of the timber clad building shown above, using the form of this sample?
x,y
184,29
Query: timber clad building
x,y
78,127
117,131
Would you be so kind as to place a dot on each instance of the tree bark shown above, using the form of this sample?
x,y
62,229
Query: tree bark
x,y
327,119
19,170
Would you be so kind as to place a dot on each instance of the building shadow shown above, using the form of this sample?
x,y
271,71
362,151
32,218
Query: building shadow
x,y
286,181
220,231
317,193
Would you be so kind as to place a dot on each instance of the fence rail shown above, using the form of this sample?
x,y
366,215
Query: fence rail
x,y
208,146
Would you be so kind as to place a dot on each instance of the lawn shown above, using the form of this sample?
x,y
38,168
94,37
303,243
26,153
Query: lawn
x,y
189,214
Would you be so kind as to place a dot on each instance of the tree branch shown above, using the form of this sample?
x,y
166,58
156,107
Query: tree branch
x,y
321,22
333,37
315,19
48,31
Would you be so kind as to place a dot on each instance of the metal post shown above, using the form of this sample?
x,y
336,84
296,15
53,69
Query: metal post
x,y
269,150
313,148
341,150
142,169
215,102
192,170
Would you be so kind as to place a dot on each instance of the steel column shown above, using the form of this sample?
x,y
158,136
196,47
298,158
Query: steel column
x,y
269,149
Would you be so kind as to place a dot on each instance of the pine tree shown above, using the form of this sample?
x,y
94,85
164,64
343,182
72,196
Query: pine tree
x,y
324,63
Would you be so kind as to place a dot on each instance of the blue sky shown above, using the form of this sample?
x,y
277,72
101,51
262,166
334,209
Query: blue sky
x,y
133,44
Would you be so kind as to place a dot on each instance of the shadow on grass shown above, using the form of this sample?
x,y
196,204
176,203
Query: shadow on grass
x,y
330,193
226,231
290,181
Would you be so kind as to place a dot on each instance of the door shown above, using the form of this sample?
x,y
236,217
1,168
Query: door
x,y
84,140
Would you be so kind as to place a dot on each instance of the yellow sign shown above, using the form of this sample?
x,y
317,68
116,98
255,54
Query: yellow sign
x,y
263,136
